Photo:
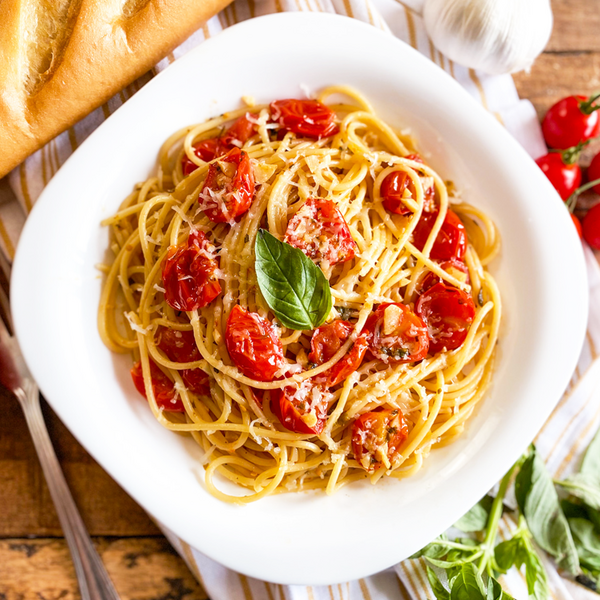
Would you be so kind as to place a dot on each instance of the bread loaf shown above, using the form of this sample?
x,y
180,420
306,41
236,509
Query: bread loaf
x,y
60,59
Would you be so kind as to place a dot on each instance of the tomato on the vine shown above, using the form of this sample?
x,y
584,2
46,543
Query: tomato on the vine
x,y
165,394
451,241
578,226
253,345
593,172
571,121
308,118
377,437
189,274
302,409
564,176
591,227
448,313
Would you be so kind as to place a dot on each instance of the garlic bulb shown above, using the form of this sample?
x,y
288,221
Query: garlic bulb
x,y
496,36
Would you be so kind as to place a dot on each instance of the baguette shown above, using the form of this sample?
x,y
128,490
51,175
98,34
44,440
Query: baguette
x,y
61,59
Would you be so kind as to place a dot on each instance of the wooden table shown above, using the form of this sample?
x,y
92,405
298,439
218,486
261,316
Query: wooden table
x,y
34,560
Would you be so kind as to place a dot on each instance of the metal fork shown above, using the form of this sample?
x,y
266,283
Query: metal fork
x,y
94,582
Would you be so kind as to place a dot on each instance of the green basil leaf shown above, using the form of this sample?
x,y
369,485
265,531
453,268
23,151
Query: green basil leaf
x,y
441,593
584,486
587,542
495,591
292,285
535,576
540,506
591,461
435,549
468,585
505,554
476,519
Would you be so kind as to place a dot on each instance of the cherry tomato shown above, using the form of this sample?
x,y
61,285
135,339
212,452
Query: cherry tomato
x,y
414,156
571,121
392,190
180,346
448,313
326,341
253,345
229,187
236,136
451,241
564,177
303,409
396,334
164,389
577,224
593,172
308,118
321,232
454,267
189,274
591,227
377,437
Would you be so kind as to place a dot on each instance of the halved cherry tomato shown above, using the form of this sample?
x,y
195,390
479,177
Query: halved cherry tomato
x,y
591,227
253,345
229,187
451,241
377,437
454,267
396,334
308,118
570,121
302,410
165,394
237,135
448,313
565,177
321,232
179,346
189,274
326,341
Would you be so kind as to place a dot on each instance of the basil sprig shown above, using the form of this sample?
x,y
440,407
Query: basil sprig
x,y
292,285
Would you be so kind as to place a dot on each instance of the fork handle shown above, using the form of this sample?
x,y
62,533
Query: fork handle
x,y
94,582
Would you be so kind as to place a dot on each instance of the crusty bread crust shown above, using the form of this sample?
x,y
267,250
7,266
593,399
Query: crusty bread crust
x,y
61,59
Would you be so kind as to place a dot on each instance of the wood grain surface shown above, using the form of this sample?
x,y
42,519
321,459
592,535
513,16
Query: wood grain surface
x,y
34,561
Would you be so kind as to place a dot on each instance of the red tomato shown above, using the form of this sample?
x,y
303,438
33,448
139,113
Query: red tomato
x,y
593,172
414,156
448,313
308,118
326,341
180,346
396,334
570,121
188,274
451,241
392,189
253,345
377,437
564,177
237,135
454,266
591,227
164,389
302,410
577,224
321,232
229,187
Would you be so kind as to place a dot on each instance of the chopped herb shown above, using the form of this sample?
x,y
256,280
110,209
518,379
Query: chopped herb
x,y
246,239
397,353
480,297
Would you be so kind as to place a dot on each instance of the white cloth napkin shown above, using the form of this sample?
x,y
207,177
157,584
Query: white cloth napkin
x,y
565,435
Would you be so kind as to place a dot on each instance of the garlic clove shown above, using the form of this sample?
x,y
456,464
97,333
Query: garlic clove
x,y
494,36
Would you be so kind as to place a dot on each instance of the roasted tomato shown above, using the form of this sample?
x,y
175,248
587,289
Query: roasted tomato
x,y
377,437
165,394
303,409
326,341
189,274
179,346
229,187
448,313
396,334
451,241
308,118
392,190
253,345
321,232
454,267
237,135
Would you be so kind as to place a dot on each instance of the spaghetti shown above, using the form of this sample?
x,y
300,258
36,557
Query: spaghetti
x,y
406,351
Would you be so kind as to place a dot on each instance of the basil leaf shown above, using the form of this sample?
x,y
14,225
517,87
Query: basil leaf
x,y
495,591
587,542
468,585
585,487
476,519
292,285
441,593
535,576
591,461
540,506
505,554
